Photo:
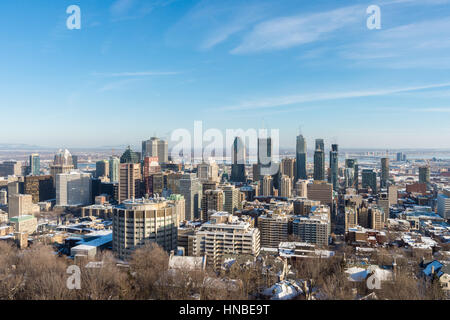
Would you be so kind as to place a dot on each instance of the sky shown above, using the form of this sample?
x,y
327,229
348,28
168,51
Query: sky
x,y
140,68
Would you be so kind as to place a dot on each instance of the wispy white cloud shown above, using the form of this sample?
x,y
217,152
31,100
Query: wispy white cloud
x,y
423,44
437,110
135,9
136,74
287,32
210,23
116,85
281,101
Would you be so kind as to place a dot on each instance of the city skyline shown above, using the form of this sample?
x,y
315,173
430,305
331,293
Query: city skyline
x,y
251,65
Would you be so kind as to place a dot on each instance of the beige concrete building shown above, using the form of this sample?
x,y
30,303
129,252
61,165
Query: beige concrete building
x,y
303,206
141,221
321,191
351,218
223,235
24,224
286,187
21,204
273,228
301,188
267,187
129,181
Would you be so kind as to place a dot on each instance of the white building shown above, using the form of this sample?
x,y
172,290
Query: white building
x,y
73,189
443,204
223,235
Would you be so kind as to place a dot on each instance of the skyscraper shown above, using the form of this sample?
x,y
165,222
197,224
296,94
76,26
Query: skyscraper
x,y
369,179
212,200
288,167
35,165
129,156
267,186
264,155
424,174
156,147
286,187
62,163
129,181
208,171
191,189
238,161
102,168
334,167
319,160
231,198
384,172
114,164
73,189
301,158
351,173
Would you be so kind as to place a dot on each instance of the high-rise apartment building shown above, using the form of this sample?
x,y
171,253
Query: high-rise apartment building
x,y
301,158
267,186
130,179
212,201
231,198
315,230
225,235
288,167
351,218
319,160
138,222
273,228
73,189
191,189
286,187
376,218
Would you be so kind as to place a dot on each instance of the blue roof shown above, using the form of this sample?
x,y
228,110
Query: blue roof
x,y
437,268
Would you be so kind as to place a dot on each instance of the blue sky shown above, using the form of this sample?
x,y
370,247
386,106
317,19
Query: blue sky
x,y
140,67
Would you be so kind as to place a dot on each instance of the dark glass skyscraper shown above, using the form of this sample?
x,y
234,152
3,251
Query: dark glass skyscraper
x,y
369,179
319,160
238,161
301,158
384,172
334,167
35,165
